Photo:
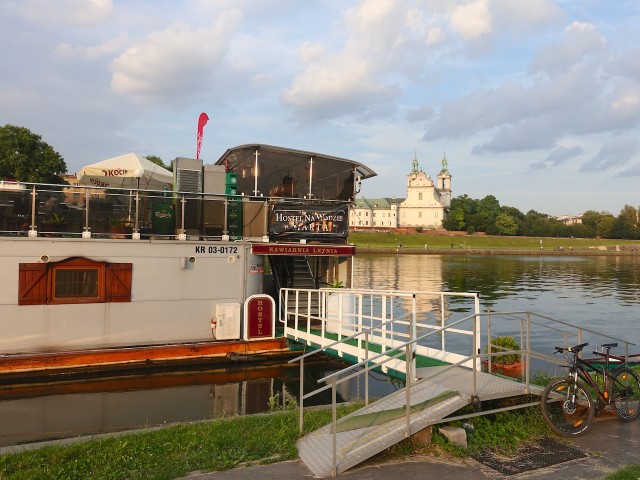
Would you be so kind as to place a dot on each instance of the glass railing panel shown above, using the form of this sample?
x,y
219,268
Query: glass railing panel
x,y
15,209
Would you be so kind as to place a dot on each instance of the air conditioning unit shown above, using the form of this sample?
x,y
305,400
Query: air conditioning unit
x,y
187,177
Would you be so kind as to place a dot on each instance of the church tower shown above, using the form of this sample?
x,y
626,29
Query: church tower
x,y
444,182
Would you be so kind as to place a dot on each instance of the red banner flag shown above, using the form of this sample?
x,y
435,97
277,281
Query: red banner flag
x,y
202,121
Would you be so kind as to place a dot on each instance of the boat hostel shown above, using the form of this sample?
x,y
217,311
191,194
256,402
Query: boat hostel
x,y
120,277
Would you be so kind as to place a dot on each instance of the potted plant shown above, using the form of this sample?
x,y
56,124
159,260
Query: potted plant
x,y
119,227
55,223
505,347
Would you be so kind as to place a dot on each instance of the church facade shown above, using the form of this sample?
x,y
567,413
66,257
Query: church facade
x,y
426,205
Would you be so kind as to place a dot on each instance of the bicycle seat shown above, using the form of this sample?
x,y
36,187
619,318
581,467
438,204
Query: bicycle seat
x,y
609,345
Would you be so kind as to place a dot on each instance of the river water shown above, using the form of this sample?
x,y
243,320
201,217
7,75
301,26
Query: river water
x,y
600,293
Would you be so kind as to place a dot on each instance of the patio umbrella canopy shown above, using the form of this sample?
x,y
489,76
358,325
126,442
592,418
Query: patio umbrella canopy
x,y
124,172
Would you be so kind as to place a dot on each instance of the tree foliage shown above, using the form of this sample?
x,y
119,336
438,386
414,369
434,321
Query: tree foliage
x,y
626,224
158,161
486,215
25,157
506,224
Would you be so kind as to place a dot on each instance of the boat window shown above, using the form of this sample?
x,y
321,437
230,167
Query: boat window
x,y
74,280
81,282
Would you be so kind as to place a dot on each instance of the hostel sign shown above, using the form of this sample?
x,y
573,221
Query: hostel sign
x,y
259,317
306,221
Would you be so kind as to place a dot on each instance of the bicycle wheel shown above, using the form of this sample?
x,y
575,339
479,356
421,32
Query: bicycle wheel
x,y
625,393
567,407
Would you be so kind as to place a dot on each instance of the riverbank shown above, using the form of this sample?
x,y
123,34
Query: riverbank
x,y
263,446
495,251
441,243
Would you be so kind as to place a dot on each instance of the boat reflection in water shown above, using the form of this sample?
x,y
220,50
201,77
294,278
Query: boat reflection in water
x,y
38,412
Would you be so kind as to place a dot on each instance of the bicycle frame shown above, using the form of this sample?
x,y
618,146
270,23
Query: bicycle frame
x,y
578,368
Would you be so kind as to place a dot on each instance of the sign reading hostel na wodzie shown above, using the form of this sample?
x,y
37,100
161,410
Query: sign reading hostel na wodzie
x,y
259,317
309,222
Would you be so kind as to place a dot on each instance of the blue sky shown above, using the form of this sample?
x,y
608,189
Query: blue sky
x,y
536,102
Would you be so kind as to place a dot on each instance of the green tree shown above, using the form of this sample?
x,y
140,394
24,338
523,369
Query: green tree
x,y
605,225
25,157
454,221
158,161
506,224
461,207
626,224
598,223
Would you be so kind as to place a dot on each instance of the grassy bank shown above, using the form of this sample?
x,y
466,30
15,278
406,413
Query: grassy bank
x,y
175,451
170,452
221,444
430,242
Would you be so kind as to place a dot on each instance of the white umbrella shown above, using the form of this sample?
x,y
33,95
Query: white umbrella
x,y
126,171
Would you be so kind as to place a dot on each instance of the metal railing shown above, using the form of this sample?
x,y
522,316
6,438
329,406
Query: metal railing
x,y
568,332
29,209
317,317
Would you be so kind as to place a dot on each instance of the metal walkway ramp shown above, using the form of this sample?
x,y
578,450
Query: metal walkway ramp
x,y
356,445
418,338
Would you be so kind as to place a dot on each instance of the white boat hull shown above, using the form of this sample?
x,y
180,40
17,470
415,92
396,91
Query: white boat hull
x,y
172,299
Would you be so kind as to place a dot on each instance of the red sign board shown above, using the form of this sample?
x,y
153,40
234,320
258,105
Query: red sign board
x,y
302,249
259,311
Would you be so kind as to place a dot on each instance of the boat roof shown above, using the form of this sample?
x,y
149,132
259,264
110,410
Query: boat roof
x,y
267,151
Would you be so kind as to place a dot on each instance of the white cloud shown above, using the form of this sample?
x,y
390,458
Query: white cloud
x,y
615,153
631,171
175,64
419,114
472,20
334,84
561,154
77,13
627,65
580,40
107,48
389,45
525,16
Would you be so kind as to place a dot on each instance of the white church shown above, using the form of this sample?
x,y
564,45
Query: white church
x,y
426,205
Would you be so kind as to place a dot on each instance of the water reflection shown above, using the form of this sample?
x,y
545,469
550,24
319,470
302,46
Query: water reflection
x,y
31,413
601,292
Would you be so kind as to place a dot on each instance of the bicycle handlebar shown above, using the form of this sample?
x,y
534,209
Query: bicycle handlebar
x,y
575,349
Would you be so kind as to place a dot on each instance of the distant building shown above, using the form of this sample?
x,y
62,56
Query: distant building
x,y
375,212
75,195
426,204
570,219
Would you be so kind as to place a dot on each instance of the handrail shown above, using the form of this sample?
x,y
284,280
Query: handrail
x,y
526,319
409,343
333,344
82,217
556,321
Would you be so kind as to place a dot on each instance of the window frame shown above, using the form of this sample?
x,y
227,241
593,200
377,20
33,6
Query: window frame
x,y
100,296
36,284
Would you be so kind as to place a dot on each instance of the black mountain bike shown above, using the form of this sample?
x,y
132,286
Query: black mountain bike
x,y
568,403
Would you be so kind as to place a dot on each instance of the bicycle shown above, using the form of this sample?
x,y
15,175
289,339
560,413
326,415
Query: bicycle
x,y
568,407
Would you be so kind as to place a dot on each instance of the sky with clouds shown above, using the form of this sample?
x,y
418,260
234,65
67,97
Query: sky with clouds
x,y
536,102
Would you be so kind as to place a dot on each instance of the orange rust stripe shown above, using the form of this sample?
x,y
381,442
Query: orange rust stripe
x,y
54,360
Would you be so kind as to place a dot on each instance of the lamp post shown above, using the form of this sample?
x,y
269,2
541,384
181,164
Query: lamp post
x,y
138,172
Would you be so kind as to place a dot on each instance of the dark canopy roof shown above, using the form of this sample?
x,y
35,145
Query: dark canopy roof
x,y
293,173
272,151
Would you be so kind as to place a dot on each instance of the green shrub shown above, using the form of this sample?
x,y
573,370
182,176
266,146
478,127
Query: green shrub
x,y
501,344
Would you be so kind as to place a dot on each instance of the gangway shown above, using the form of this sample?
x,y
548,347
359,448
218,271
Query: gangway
x,y
431,395
382,319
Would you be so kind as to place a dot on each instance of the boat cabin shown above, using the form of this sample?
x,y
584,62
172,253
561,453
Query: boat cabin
x,y
89,268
